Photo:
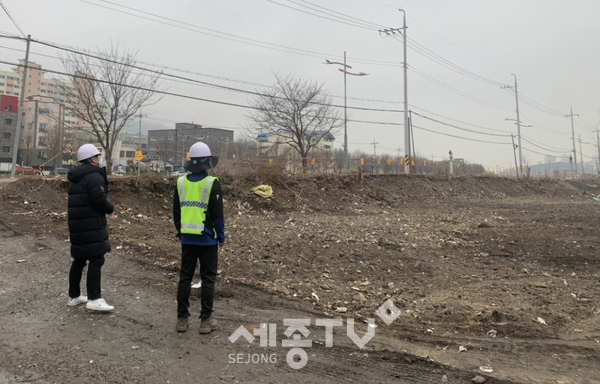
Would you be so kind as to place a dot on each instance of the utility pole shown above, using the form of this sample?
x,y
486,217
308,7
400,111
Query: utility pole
x,y
581,152
20,111
573,137
346,164
374,149
139,142
515,153
412,137
392,31
520,166
598,143
405,65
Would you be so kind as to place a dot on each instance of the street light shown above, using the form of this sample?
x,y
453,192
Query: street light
x,y
346,165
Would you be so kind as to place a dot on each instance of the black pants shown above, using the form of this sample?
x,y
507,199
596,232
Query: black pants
x,y
190,254
94,274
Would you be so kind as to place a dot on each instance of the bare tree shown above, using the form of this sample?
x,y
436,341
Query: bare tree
x,y
56,143
108,92
297,112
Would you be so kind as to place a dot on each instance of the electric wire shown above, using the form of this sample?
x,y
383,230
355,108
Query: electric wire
x,y
544,148
12,18
231,37
459,137
458,121
454,90
160,73
323,17
461,128
184,96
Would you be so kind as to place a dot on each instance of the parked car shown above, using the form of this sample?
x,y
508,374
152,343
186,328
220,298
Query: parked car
x,y
26,170
62,171
179,171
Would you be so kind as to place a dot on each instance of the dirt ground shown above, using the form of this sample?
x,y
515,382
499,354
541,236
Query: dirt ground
x,y
487,272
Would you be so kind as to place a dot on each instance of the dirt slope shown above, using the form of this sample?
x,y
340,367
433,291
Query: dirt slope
x,y
477,262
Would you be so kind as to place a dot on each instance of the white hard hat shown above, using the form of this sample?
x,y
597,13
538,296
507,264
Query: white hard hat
x,y
87,151
201,158
199,149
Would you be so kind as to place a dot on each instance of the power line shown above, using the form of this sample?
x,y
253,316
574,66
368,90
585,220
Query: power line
x,y
189,72
198,81
532,151
458,121
558,150
229,36
181,95
457,46
588,124
534,104
322,17
344,15
12,19
540,124
461,128
415,46
459,137
489,104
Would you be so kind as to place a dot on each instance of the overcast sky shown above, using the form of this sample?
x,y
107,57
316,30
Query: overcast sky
x,y
552,47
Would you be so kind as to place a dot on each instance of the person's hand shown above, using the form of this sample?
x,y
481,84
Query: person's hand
x,y
221,244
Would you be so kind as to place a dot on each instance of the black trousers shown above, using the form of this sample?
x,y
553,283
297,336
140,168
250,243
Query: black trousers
x,y
208,257
94,275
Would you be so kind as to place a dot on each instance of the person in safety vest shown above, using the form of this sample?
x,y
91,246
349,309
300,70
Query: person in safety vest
x,y
88,206
198,217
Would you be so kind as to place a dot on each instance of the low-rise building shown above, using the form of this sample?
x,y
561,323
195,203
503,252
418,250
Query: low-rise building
x,y
172,144
277,143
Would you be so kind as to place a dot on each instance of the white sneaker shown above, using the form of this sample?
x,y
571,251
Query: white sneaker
x,y
77,300
99,305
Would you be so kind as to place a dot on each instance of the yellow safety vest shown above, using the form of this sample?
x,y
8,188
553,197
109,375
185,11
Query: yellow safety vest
x,y
193,200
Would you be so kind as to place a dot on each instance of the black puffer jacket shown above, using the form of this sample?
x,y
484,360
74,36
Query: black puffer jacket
x,y
88,206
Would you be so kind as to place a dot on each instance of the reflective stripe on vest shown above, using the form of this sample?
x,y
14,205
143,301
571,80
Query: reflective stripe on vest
x,y
193,201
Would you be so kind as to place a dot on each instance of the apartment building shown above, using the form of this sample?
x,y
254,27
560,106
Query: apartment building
x,y
47,112
9,108
172,144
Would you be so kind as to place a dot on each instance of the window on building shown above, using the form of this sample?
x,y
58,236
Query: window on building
x,y
42,140
43,127
152,138
171,138
6,135
5,149
130,154
8,107
42,155
179,133
121,153
199,137
43,111
8,121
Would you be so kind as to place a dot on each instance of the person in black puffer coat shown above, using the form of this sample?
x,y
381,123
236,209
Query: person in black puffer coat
x,y
88,206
